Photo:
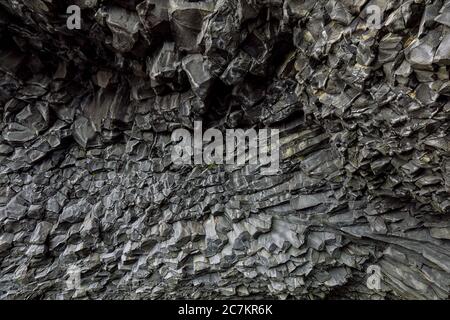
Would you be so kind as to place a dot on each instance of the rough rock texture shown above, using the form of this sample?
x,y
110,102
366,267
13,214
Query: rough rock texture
x,y
87,183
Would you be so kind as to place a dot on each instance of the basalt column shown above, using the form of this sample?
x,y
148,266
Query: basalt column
x,y
92,205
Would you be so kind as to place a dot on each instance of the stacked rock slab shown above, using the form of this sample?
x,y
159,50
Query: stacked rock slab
x,y
91,205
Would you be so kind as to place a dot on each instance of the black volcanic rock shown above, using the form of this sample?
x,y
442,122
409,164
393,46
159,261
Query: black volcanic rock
x,y
88,188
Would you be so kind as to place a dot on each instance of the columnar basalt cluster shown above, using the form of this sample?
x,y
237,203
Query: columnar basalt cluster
x,y
91,205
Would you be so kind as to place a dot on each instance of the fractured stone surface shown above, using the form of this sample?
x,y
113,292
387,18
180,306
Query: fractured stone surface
x,y
87,182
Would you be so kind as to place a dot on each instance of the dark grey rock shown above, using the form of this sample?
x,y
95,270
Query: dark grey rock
x,y
17,133
6,240
87,184
40,233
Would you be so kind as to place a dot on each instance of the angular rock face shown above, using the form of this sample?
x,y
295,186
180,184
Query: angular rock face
x,y
91,205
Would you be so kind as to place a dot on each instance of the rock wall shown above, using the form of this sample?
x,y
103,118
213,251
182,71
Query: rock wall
x,y
91,205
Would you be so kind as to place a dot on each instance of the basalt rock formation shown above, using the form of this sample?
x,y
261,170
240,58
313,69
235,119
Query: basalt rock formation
x,y
92,206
